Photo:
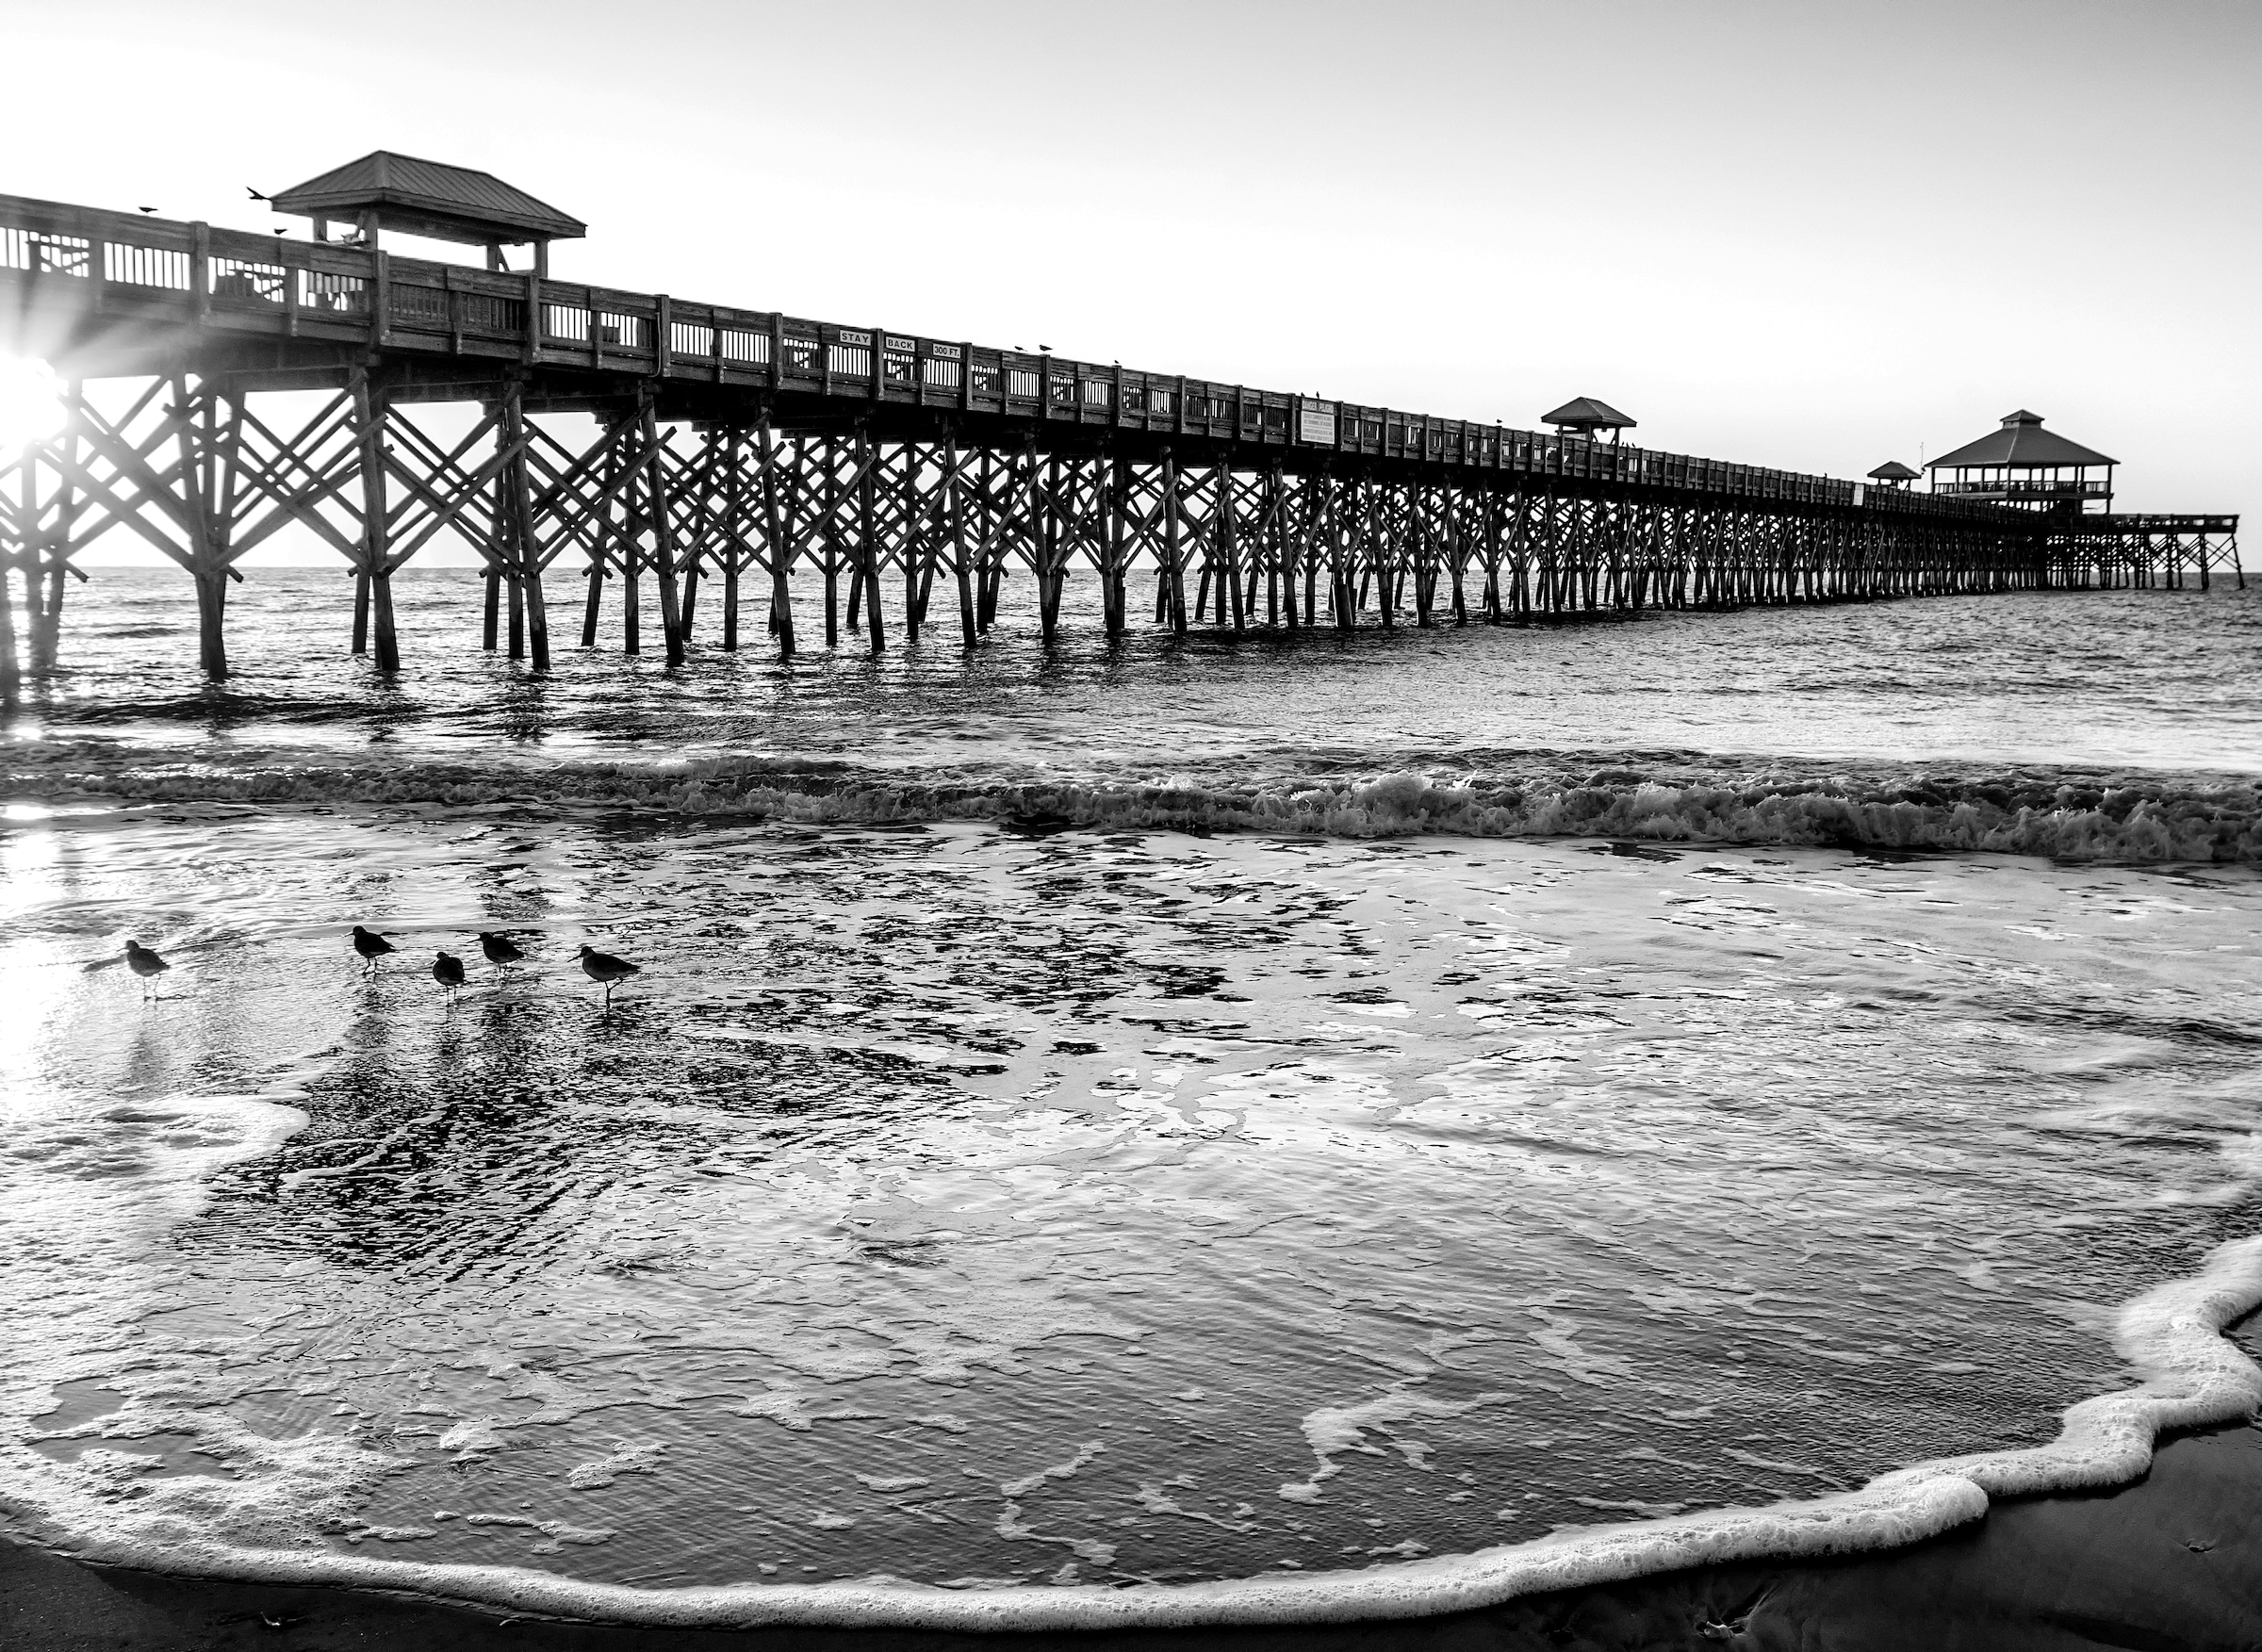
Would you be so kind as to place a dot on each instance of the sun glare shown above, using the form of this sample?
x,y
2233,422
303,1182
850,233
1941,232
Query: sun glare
x,y
31,404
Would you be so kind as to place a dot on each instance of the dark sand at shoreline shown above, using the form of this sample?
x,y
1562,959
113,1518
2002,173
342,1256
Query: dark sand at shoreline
x,y
2173,1562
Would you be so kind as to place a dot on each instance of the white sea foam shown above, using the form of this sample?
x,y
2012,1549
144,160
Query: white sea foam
x,y
2173,1335
1332,1431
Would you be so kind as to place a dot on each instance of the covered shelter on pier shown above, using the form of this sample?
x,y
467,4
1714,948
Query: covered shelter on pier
x,y
2024,465
385,190
1892,473
1585,415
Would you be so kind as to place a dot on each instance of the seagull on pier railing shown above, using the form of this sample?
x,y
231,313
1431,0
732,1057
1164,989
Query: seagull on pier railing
x,y
498,949
145,209
605,970
144,963
371,946
448,970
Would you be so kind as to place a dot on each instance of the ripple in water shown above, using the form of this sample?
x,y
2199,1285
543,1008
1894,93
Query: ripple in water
x,y
978,1207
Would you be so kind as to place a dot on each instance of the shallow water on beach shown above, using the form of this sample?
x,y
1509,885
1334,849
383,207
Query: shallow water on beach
x,y
986,1183
963,1205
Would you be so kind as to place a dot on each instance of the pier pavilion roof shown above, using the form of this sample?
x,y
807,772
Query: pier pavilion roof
x,y
2021,442
1894,470
1585,413
428,198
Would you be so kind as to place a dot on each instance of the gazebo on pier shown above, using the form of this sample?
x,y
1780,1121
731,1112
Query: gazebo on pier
x,y
384,190
1586,416
2024,465
1892,473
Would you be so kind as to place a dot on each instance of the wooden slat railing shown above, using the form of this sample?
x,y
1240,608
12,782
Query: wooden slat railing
x,y
120,263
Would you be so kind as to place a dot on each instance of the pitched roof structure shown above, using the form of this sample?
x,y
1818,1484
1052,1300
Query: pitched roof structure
x,y
1894,470
1585,413
2021,443
427,198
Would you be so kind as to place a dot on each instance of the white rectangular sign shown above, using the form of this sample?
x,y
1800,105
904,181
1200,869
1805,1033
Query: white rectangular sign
x,y
1315,423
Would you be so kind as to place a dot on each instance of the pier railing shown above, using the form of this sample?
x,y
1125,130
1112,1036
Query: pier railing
x,y
162,271
2026,487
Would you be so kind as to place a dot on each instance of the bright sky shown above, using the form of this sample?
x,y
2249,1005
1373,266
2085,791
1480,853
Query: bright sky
x,y
1815,236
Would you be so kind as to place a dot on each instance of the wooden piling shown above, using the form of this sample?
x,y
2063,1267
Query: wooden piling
x,y
11,671
531,558
374,594
777,546
868,553
661,505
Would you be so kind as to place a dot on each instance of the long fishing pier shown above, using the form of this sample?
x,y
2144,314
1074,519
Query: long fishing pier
x,y
219,388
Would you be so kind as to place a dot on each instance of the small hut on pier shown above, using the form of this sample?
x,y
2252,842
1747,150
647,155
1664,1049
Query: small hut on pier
x,y
384,190
2024,465
1892,473
1584,416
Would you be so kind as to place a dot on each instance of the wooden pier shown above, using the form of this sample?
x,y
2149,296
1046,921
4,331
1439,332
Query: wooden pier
x,y
733,462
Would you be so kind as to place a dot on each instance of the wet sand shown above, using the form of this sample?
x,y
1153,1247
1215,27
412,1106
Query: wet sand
x,y
2172,1562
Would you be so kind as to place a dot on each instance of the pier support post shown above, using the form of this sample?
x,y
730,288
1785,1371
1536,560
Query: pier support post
x,y
663,532
777,543
1051,564
1226,539
868,549
46,553
1173,544
206,478
12,675
501,568
961,552
518,483
375,587
17,529
734,543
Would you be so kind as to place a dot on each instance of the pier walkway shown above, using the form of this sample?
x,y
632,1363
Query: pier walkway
x,y
752,451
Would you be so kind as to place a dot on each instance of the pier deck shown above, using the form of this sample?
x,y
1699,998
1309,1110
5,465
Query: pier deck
x,y
744,446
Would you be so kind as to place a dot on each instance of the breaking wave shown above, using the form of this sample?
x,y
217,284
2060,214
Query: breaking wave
x,y
2099,816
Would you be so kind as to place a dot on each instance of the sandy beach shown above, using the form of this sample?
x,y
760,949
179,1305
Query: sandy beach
x,y
2172,1562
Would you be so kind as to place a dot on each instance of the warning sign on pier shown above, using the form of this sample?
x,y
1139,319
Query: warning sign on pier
x,y
1315,422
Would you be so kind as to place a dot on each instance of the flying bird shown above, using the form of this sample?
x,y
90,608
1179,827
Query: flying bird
x,y
448,970
498,949
144,209
605,970
371,946
254,194
144,963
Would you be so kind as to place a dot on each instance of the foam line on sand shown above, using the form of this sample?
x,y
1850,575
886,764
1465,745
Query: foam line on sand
x,y
2173,1335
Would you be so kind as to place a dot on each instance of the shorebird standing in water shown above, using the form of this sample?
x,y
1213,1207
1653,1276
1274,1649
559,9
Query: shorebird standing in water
x,y
144,963
371,946
606,969
498,949
448,970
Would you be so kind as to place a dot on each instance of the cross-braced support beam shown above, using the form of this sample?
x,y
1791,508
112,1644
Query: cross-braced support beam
x,y
203,471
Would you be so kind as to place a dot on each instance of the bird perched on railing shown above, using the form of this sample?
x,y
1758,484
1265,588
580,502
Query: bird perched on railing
x,y
498,949
606,969
144,963
448,970
371,946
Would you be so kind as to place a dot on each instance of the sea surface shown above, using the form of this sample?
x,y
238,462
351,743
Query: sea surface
x,y
1245,1126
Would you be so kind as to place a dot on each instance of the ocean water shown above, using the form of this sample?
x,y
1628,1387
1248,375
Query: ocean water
x,y
1247,1128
